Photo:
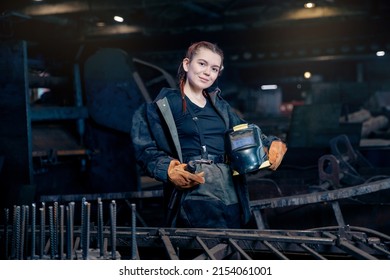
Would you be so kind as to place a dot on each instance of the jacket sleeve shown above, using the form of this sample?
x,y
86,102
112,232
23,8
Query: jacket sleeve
x,y
153,160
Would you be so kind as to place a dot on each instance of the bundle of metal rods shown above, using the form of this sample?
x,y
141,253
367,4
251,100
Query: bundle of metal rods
x,y
25,238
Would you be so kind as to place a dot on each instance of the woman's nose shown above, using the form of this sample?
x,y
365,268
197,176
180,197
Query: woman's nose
x,y
207,71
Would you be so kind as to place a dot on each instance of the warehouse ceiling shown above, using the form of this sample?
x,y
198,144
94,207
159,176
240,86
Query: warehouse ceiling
x,y
261,28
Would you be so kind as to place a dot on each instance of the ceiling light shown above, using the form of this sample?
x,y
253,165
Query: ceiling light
x,y
269,87
118,18
307,75
309,5
380,53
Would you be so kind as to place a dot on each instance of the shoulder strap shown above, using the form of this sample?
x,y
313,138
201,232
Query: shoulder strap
x,y
165,109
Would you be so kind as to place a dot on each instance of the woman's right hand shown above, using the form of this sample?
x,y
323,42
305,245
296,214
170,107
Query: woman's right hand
x,y
181,178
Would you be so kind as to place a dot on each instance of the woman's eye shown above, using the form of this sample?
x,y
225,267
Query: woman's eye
x,y
216,70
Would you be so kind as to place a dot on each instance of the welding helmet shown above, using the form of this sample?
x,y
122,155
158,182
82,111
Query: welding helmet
x,y
245,149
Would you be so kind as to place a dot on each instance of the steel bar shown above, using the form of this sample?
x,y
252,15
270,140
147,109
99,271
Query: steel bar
x,y
52,232
338,214
239,249
133,233
42,231
205,248
17,233
381,249
257,235
346,245
103,196
168,245
100,227
86,231
312,252
258,218
223,244
274,250
55,222
22,231
350,248
322,196
14,231
113,229
33,230
61,232
219,251
26,229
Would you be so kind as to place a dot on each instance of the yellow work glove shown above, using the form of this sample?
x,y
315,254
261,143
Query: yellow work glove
x,y
276,153
181,178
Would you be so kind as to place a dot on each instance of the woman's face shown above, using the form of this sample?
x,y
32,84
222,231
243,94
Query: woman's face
x,y
203,69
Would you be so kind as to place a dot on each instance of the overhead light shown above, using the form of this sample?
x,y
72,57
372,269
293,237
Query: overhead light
x,y
118,18
380,53
269,87
307,75
309,5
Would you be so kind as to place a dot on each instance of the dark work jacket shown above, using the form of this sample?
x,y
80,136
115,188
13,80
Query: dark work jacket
x,y
156,140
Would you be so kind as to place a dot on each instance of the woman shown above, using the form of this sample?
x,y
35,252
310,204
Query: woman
x,y
189,124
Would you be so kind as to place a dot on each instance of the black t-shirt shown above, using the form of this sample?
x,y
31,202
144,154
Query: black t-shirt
x,y
209,122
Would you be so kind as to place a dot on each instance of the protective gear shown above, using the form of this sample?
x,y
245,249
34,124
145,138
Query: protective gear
x,y
181,178
276,153
245,149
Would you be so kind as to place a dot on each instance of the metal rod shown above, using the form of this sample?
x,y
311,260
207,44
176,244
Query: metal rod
x,y
22,231
100,227
61,235
52,232
86,229
168,245
42,232
274,250
239,249
33,227
113,229
205,248
26,238
55,228
133,232
17,232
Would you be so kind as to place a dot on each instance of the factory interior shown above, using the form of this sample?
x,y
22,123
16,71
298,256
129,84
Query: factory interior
x,y
73,72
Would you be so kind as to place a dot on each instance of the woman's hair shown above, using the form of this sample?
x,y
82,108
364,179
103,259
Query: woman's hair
x,y
191,52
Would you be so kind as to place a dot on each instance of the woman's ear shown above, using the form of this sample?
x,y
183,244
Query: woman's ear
x,y
186,62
